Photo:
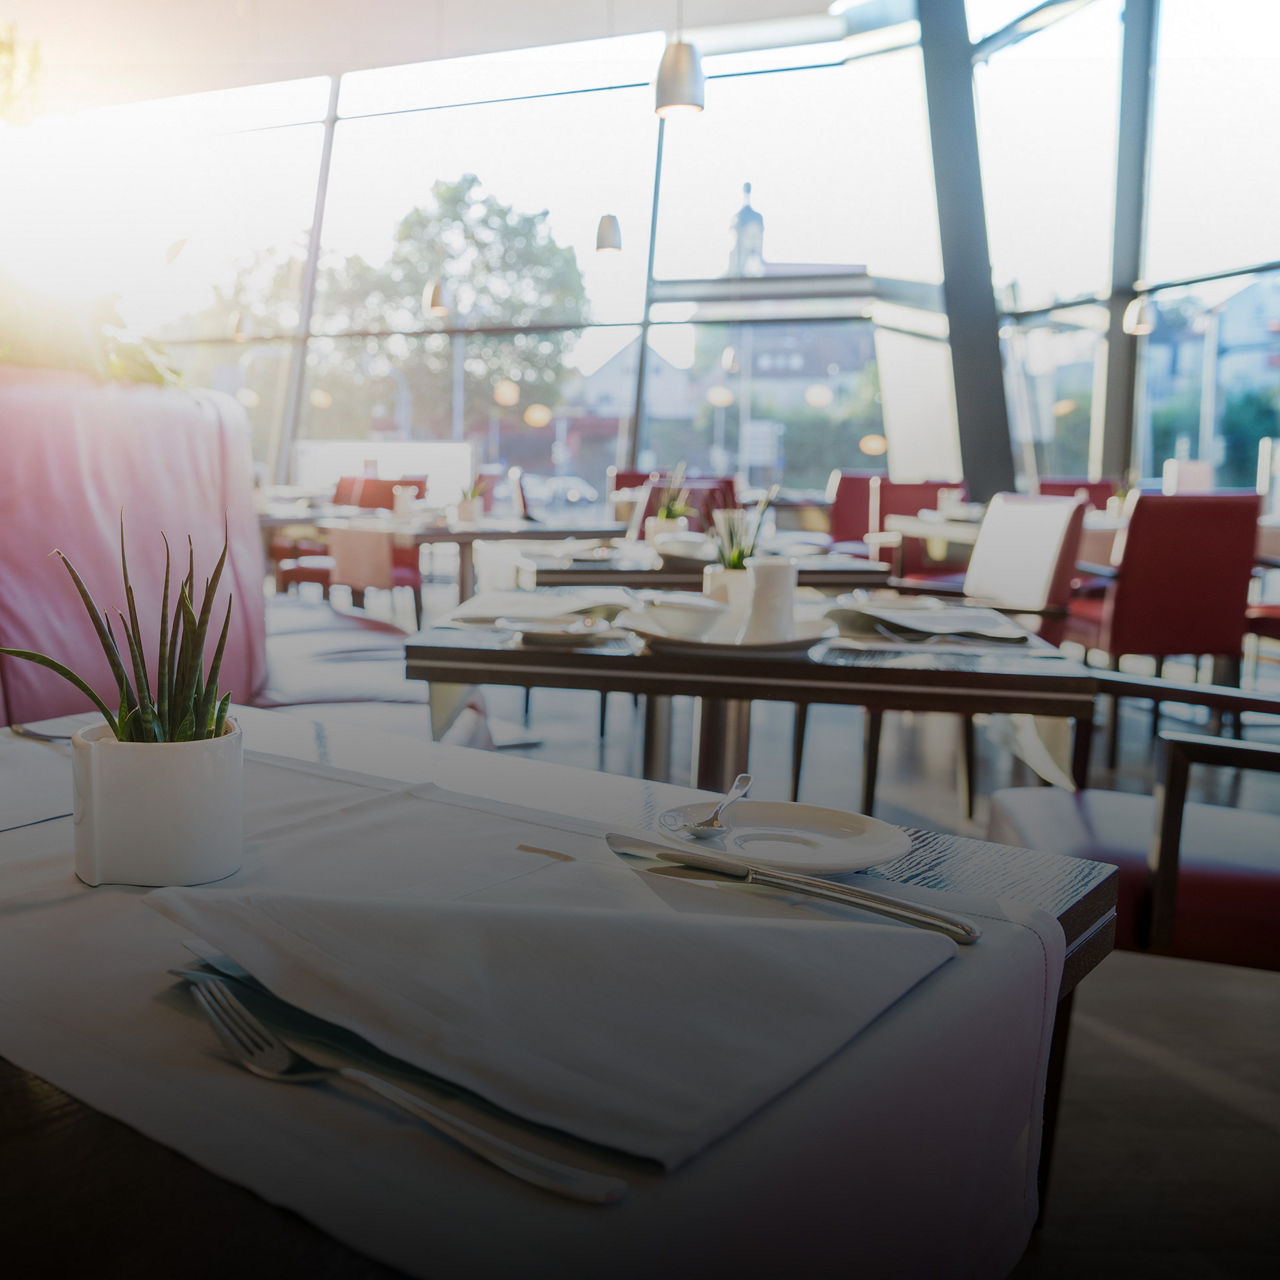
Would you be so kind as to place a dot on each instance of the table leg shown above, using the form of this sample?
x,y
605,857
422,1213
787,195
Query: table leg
x,y
1053,1095
723,741
1081,742
870,757
466,570
657,737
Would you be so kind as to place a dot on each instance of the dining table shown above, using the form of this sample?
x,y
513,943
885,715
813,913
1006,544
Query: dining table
x,y
632,568
876,1101
480,645
429,527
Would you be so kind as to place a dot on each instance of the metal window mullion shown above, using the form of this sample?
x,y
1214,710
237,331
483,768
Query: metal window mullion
x,y
632,447
982,414
306,302
1111,440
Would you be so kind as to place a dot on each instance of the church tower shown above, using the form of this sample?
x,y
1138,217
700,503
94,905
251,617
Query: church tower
x,y
747,228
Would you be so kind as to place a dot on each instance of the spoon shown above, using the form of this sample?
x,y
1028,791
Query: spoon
x,y
711,825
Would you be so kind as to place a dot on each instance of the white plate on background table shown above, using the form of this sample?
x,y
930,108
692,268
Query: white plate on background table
x,y
572,629
794,837
722,638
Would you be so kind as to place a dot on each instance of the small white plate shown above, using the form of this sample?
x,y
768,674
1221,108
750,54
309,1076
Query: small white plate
x,y
722,636
565,629
795,837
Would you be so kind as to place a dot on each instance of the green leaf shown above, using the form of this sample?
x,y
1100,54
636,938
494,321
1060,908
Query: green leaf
x,y
220,720
105,639
146,717
206,705
186,730
162,658
67,674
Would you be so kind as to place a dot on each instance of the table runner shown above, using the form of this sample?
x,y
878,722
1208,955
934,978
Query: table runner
x,y
95,962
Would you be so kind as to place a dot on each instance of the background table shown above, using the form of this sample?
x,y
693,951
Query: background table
x,y
1034,682
834,574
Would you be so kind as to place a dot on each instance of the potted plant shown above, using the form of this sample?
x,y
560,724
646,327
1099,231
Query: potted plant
x,y
471,504
671,515
158,785
735,533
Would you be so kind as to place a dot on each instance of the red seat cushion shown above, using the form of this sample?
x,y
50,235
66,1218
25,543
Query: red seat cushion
x,y
1084,620
1229,870
1264,620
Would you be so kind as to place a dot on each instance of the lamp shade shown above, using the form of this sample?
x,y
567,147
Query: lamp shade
x,y
680,84
608,233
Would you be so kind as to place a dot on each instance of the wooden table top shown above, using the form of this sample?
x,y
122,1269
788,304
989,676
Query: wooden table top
x,y
85,1194
1035,680
841,573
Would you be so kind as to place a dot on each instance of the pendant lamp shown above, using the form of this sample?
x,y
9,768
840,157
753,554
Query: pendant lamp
x,y
680,85
609,234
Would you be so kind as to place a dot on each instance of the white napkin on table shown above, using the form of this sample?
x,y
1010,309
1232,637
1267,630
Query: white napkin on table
x,y
648,1030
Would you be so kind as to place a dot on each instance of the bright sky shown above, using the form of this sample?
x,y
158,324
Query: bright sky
x,y
838,158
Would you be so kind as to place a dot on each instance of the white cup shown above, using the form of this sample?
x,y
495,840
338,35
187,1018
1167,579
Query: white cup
x,y
771,614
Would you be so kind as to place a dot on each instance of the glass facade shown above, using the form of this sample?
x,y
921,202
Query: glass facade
x,y
789,315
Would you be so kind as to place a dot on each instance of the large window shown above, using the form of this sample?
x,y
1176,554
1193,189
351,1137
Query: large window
x,y
1214,185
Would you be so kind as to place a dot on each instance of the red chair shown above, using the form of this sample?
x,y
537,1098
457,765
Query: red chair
x,y
888,498
1197,881
849,509
1098,491
1182,572
705,495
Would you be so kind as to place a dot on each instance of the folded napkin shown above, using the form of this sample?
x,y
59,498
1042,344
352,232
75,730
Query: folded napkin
x,y
643,1028
948,620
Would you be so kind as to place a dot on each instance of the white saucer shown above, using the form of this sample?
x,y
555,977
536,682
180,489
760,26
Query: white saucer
x,y
722,637
795,837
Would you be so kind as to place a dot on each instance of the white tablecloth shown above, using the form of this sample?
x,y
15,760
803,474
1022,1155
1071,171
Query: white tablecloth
x,y
911,1152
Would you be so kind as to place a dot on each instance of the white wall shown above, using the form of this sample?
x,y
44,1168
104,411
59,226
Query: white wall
x,y
101,51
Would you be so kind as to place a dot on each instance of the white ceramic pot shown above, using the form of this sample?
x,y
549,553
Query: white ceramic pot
x,y
731,587
655,525
468,510
157,813
771,608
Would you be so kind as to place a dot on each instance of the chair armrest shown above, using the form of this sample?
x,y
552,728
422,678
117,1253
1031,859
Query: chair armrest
x,y
907,587
1108,571
1215,696
886,547
1181,751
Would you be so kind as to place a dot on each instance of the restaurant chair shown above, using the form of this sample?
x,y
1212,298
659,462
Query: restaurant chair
x,y
1097,492
1178,584
848,499
889,498
1199,881
364,560
1023,563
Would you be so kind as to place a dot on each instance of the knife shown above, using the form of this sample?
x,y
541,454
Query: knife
x,y
958,928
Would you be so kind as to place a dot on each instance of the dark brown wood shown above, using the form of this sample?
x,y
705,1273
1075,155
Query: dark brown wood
x,y
871,726
534,572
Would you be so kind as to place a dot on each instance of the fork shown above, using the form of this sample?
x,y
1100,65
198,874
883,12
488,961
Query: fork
x,y
262,1052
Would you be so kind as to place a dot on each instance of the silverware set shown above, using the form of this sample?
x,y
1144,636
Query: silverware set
x,y
259,1050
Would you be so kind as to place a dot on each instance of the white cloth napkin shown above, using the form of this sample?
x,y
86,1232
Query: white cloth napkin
x,y
553,995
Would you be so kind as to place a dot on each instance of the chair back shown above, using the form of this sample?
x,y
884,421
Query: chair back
x,y
373,492
1186,475
618,478
849,504
1025,554
1184,564
1097,492
705,495
361,557
77,455
888,498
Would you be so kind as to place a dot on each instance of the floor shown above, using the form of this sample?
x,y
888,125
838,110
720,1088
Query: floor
x,y
1168,1159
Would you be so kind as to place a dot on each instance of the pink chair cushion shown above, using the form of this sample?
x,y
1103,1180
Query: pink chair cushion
x,y
1229,871
78,454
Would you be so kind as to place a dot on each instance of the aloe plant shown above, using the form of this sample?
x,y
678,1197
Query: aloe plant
x,y
184,706
736,532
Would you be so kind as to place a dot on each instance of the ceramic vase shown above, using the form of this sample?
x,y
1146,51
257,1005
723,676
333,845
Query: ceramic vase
x,y
157,813
468,510
656,525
